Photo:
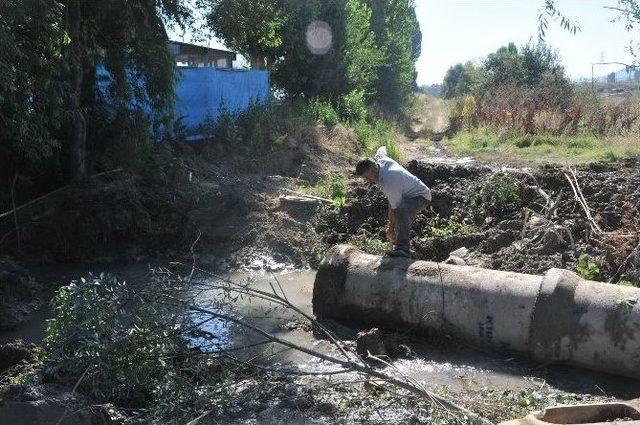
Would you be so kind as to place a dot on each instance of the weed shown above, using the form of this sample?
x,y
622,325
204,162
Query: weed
x,y
630,283
587,268
353,107
439,227
324,112
372,135
499,193
628,303
370,245
331,186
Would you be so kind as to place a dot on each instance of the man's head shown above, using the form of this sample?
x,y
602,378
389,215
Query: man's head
x,y
368,170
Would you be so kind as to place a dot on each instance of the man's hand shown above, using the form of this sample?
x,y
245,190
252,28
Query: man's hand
x,y
391,234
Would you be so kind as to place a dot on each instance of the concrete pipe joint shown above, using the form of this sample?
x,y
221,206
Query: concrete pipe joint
x,y
558,317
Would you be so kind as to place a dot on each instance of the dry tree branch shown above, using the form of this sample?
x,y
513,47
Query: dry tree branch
x,y
347,365
581,200
276,299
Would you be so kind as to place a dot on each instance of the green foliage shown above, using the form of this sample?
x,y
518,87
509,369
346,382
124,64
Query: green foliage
x,y
498,193
330,186
48,92
586,267
127,347
121,352
462,79
628,282
510,145
353,106
362,55
441,227
324,112
628,303
375,134
253,28
396,28
370,245
32,39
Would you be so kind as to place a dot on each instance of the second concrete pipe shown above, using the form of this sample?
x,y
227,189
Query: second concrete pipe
x,y
558,317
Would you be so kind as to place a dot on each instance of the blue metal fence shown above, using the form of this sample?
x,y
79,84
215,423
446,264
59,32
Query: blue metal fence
x,y
201,93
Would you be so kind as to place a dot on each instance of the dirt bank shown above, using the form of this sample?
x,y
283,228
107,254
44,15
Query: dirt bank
x,y
518,220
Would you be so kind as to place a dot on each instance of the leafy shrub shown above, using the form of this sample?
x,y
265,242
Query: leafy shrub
x,y
324,112
331,186
498,193
468,111
352,105
127,347
375,134
587,268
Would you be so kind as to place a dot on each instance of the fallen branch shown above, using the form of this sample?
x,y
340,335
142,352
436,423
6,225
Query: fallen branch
x,y
345,364
348,364
304,195
582,201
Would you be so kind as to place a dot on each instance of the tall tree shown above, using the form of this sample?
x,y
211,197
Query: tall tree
x,y
32,39
253,28
362,56
396,27
129,39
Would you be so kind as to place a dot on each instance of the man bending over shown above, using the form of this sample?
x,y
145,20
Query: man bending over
x,y
406,193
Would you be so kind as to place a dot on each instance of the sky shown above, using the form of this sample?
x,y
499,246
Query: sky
x,y
461,30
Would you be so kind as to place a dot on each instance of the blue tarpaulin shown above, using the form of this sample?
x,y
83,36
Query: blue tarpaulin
x,y
202,92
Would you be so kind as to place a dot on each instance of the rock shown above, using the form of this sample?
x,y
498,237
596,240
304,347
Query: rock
x,y
454,259
460,252
370,342
299,207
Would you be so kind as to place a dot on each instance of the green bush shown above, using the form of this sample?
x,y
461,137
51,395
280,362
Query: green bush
x,y
372,135
498,193
587,268
324,112
128,348
353,106
331,186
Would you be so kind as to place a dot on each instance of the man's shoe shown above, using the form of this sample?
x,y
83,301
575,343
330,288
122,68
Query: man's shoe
x,y
397,253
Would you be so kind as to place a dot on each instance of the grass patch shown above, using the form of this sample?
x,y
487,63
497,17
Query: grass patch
x,y
370,245
514,146
587,268
438,227
375,134
331,186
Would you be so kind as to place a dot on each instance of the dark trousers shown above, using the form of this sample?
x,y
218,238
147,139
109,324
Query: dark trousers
x,y
405,214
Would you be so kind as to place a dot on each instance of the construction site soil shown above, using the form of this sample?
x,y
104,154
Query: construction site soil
x,y
524,220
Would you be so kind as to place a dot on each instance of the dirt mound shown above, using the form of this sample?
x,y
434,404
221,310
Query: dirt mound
x,y
20,294
519,220
15,353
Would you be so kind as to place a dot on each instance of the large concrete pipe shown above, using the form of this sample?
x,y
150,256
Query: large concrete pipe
x,y
558,317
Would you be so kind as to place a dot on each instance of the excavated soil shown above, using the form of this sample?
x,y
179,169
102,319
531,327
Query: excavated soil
x,y
529,233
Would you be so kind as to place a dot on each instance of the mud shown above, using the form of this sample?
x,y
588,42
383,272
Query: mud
x,y
522,235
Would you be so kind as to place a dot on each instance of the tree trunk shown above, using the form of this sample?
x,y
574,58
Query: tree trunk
x,y
78,142
257,61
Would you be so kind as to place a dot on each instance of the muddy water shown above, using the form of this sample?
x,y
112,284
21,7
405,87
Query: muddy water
x,y
458,367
